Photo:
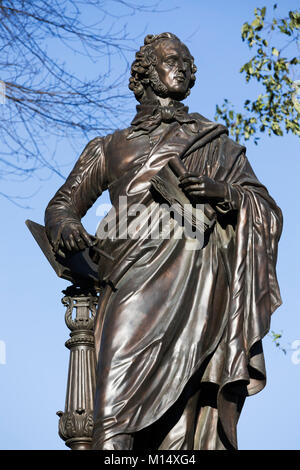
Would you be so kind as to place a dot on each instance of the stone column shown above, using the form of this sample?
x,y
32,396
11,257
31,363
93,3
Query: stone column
x,y
76,422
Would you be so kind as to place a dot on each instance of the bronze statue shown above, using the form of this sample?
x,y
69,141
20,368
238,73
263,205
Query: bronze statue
x,y
179,326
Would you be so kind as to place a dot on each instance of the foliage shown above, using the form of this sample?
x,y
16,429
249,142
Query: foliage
x,y
276,109
275,337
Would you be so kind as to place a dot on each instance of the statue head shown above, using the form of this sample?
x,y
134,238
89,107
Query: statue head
x,y
165,66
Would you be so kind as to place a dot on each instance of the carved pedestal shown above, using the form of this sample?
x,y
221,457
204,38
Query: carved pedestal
x,y
76,422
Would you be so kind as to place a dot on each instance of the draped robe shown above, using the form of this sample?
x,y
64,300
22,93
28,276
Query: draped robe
x,y
178,330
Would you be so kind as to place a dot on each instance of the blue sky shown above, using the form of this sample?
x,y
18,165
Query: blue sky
x,y
33,370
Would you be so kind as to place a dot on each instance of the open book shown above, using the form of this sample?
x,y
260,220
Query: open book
x,y
77,267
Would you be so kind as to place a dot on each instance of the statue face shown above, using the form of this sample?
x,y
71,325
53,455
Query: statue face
x,y
173,67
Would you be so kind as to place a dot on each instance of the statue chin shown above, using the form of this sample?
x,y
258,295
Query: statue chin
x,y
159,90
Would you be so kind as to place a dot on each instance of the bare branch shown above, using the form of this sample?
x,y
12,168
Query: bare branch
x,y
45,96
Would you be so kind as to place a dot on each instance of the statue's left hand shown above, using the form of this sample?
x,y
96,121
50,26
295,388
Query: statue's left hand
x,y
202,187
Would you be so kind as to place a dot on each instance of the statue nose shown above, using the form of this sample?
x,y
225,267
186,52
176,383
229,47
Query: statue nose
x,y
182,66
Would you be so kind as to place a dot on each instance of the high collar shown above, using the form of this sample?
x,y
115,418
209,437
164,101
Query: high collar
x,y
150,114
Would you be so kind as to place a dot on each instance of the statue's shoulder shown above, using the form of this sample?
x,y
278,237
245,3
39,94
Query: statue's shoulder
x,y
224,137
100,144
201,119
232,147
119,136
205,124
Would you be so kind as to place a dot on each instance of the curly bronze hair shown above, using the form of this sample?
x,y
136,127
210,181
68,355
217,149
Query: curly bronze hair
x,y
143,70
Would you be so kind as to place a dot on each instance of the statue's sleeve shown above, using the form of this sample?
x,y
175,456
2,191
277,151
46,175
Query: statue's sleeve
x,y
231,201
83,186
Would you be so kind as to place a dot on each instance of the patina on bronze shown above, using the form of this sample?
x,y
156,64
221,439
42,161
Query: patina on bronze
x,y
178,330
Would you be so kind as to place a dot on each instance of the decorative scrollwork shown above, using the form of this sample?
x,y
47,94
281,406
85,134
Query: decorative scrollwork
x,y
85,306
79,423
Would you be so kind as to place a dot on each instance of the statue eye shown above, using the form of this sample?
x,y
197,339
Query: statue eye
x,y
170,61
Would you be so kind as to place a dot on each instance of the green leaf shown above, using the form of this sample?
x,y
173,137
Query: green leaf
x,y
245,28
255,23
275,51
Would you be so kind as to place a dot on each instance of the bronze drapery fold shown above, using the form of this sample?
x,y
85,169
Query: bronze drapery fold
x,y
174,322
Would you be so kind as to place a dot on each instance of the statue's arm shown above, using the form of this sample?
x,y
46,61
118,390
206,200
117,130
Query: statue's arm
x,y
83,186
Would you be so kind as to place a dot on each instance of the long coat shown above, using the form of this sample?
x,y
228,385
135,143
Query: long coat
x,y
178,329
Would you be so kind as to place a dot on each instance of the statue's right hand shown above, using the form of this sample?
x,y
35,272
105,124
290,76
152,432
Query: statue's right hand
x,y
73,238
